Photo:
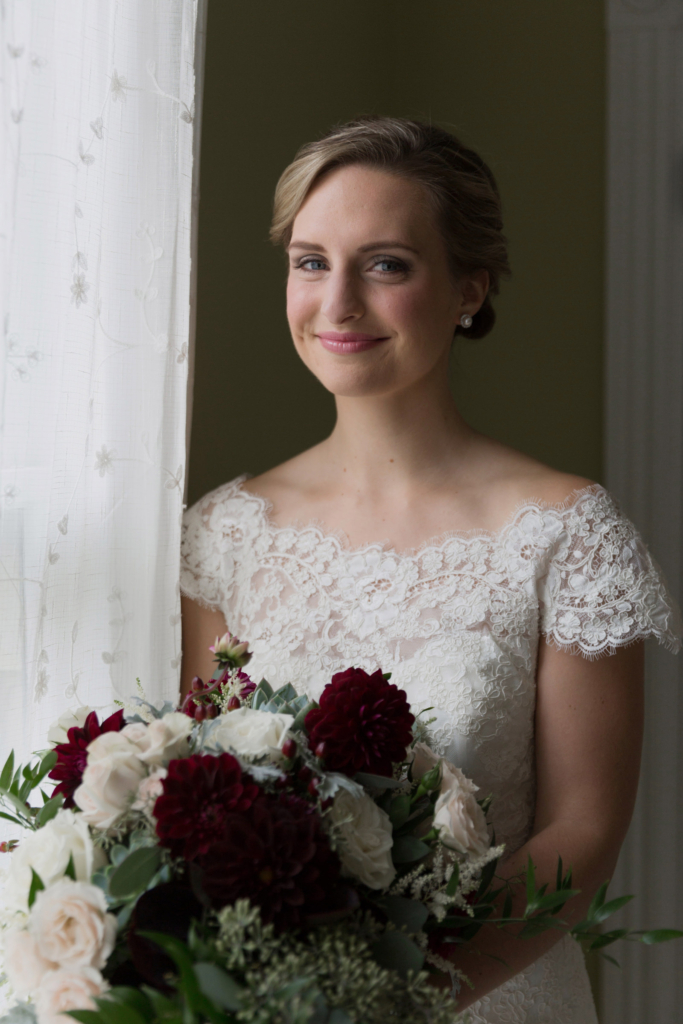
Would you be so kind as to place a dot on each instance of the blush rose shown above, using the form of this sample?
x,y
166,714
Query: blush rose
x,y
68,989
71,926
110,779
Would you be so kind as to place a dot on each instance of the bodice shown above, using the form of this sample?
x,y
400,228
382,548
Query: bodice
x,y
457,622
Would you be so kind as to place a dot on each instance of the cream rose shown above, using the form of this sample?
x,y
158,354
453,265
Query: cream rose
x,y
366,839
253,733
58,731
423,760
162,740
68,989
24,965
110,780
458,815
71,926
48,851
149,790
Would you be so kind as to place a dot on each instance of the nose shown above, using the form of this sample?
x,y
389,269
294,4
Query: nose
x,y
343,300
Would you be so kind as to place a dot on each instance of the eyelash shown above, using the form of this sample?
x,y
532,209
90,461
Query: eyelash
x,y
402,267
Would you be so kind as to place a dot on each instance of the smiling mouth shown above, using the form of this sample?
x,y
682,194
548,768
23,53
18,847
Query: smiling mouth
x,y
347,342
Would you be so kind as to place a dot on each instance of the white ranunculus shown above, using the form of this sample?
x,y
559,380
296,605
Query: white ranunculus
x,y
253,733
110,780
68,989
24,965
162,740
58,731
47,851
458,815
365,839
71,926
149,790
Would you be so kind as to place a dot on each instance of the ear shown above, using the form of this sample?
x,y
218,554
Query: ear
x,y
474,289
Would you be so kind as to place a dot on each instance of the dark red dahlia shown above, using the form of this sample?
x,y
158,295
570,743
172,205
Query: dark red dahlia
x,y
200,792
72,755
278,857
363,724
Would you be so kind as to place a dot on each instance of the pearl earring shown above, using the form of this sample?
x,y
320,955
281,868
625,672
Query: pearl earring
x,y
466,320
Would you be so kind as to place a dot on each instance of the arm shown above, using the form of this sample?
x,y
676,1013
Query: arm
x,y
589,722
200,628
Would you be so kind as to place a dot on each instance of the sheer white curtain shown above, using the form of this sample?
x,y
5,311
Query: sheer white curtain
x,y
98,123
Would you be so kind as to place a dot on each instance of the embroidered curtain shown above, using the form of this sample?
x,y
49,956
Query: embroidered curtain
x,y
98,122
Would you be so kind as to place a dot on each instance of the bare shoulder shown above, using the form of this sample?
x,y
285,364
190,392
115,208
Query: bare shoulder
x,y
519,478
287,485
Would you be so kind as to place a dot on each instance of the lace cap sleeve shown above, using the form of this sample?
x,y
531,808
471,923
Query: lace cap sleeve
x,y
602,588
207,545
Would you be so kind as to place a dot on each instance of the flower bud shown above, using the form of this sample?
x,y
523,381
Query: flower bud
x,y
289,749
211,711
313,787
234,703
231,651
320,750
200,713
197,684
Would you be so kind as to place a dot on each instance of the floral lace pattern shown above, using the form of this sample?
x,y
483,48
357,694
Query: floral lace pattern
x,y
457,623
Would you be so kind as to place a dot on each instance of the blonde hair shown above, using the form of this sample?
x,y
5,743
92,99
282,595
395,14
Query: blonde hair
x,y
461,187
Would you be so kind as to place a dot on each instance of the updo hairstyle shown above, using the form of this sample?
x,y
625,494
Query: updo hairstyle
x,y
460,187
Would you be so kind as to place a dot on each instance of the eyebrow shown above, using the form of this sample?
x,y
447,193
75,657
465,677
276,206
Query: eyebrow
x,y
362,248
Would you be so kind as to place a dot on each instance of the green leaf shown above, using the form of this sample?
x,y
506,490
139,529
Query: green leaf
x,y
36,887
298,723
218,986
399,809
597,901
338,1016
536,926
607,909
135,872
454,880
7,772
660,935
397,952
71,869
116,1013
18,803
48,761
486,877
14,821
376,781
507,906
133,997
607,938
606,956
85,1016
49,810
551,901
530,883
404,913
408,848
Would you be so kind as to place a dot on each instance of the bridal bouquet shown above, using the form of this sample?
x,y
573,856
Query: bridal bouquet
x,y
251,857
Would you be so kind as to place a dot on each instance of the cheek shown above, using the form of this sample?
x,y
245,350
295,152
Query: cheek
x,y
300,304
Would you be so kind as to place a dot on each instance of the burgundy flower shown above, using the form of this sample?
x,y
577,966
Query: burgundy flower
x,y
198,703
199,794
278,857
72,755
363,724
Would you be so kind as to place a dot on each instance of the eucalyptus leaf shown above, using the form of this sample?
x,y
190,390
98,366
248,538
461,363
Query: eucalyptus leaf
x,y
404,913
22,1013
376,781
397,952
135,872
407,849
218,986
332,782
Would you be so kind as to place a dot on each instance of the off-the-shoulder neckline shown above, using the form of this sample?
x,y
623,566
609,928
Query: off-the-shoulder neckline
x,y
264,508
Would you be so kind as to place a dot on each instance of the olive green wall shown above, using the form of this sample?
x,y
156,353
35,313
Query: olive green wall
x,y
520,80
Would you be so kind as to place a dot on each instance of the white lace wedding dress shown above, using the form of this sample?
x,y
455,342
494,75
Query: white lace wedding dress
x,y
457,623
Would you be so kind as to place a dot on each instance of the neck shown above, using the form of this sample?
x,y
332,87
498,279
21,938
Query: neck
x,y
398,440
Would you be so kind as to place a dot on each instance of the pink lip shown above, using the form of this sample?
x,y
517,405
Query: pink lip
x,y
347,341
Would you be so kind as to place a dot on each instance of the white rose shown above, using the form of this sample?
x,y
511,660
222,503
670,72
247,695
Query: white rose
x,y
66,989
149,790
58,731
71,926
253,733
48,851
458,815
24,965
366,839
110,780
162,740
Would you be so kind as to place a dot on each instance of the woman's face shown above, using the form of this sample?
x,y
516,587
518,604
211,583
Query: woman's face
x,y
371,302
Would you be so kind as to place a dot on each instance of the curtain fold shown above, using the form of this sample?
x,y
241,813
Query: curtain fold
x,y
98,127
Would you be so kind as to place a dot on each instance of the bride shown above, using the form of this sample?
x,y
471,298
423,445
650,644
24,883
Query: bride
x,y
486,582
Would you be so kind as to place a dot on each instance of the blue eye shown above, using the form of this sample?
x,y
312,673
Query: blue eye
x,y
311,270
397,265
